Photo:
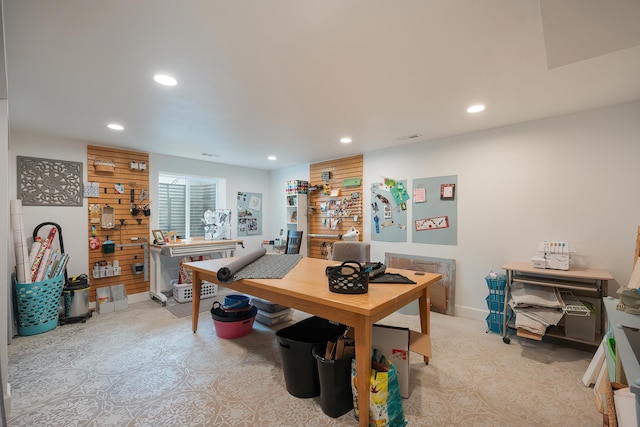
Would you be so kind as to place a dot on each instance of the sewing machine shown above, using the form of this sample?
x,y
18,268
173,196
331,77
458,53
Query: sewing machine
x,y
555,255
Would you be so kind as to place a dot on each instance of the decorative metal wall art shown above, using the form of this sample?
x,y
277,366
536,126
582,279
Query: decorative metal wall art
x,y
46,182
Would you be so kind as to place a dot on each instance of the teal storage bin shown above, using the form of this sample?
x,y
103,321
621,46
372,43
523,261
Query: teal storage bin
x,y
495,322
495,302
497,283
38,305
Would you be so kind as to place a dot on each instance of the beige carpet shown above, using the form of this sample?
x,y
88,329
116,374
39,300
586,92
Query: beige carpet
x,y
144,367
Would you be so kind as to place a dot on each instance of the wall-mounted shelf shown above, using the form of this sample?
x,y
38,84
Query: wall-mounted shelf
x,y
104,166
296,208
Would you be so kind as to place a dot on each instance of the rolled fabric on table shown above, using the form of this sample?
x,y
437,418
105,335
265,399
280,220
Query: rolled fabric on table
x,y
225,274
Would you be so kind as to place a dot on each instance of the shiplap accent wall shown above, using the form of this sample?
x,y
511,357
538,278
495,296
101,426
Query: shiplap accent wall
x,y
135,226
339,170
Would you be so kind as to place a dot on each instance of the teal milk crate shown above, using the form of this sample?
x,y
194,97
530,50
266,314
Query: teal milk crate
x,y
498,283
38,305
495,322
495,302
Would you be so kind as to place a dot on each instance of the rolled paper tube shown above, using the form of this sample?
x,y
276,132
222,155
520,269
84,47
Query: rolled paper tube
x,y
36,262
23,272
352,233
35,247
225,274
52,235
43,265
45,245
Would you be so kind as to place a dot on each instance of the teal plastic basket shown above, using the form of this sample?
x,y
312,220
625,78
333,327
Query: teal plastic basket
x,y
496,283
38,305
495,322
495,302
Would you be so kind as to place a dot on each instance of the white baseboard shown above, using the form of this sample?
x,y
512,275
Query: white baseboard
x,y
471,312
7,401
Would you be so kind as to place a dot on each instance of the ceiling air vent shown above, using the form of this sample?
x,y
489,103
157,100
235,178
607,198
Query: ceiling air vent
x,y
412,136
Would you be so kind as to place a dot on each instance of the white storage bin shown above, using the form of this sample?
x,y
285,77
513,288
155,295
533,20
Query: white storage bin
x,y
119,295
184,292
104,301
267,306
274,318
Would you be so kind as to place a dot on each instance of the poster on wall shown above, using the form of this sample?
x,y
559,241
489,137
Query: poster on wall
x,y
435,216
217,224
249,214
389,211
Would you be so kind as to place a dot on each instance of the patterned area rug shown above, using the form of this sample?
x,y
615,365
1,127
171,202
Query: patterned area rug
x,y
144,367
184,309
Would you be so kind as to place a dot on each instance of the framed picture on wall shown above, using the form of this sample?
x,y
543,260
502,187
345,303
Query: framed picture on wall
x,y
447,191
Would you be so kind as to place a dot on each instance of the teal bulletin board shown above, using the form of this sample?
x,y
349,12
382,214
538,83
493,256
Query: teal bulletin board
x,y
249,214
389,211
435,210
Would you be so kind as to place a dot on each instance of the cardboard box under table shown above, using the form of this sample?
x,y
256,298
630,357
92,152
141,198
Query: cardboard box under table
x,y
395,343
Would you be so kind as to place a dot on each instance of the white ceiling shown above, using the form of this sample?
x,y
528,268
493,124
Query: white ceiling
x,y
290,77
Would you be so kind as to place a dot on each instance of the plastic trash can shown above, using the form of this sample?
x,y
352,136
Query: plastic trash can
x,y
336,398
296,343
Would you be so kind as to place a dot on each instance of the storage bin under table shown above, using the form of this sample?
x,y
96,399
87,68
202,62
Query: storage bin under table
x,y
271,319
296,343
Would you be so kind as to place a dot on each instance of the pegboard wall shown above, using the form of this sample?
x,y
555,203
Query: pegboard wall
x,y
115,178
335,202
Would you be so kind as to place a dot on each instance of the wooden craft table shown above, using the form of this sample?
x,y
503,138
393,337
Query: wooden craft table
x,y
192,247
306,288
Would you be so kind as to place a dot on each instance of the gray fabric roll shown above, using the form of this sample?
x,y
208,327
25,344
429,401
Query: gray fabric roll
x,y
225,274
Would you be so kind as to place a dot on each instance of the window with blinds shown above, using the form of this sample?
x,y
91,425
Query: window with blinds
x,y
182,202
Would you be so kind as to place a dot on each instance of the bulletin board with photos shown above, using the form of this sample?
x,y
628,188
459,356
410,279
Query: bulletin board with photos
x,y
435,210
249,213
335,203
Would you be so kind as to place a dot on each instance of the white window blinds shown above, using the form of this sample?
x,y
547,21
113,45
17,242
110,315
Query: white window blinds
x,y
182,203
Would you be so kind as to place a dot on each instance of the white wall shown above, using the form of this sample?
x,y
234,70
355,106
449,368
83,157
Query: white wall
x,y
573,178
72,220
569,178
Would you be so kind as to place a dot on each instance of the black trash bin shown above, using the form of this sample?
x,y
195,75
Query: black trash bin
x,y
296,343
336,398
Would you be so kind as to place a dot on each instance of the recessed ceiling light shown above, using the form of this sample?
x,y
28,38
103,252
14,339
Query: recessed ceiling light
x,y
345,140
164,79
272,158
475,108
115,126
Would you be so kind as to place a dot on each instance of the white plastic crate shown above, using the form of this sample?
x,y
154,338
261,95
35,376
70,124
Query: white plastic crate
x,y
184,292
274,318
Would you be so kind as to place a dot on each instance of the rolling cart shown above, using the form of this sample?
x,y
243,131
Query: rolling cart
x,y
497,306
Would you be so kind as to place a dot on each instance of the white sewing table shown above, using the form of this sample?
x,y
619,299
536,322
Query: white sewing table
x,y
192,247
